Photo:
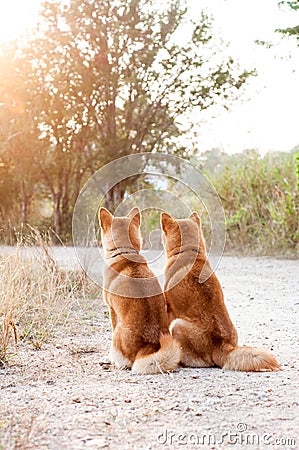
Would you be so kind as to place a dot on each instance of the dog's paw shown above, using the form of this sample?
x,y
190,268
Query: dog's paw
x,y
118,359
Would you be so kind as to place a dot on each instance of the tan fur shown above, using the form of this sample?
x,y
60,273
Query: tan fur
x,y
162,361
197,315
250,359
141,339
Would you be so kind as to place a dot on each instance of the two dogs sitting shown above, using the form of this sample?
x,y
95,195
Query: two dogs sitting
x,y
188,324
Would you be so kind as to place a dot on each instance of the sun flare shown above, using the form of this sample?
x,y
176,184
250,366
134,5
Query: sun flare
x,y
16,16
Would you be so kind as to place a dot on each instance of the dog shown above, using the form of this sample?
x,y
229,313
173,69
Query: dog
x,y
197,315
141,339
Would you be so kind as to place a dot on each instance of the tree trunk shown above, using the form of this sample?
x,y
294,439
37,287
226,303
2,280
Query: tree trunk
x,y
24,212
65,200
57,214
25,206
114,197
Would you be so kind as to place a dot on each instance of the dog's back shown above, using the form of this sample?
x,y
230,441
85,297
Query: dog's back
x,y
141,337
195,303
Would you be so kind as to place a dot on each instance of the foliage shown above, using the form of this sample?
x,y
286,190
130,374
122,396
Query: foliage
x,y
98,80
35,296
261,202
259,195
291,31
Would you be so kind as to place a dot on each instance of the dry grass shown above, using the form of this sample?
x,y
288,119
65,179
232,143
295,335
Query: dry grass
x,y
261,202
35,297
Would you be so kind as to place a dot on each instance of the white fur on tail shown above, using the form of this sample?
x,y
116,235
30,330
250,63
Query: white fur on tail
x,y
165,359
250,359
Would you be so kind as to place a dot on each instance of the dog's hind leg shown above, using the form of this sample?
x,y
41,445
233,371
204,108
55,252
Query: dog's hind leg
x,y
116,356
193,344
113,318
170,315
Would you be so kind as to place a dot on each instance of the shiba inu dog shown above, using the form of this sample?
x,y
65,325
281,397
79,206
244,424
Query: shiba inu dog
x,y
141,339
198,317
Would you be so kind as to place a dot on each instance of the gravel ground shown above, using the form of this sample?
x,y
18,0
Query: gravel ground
x,y
66,395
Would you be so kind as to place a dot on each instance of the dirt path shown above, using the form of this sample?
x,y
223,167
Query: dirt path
x,y
66,396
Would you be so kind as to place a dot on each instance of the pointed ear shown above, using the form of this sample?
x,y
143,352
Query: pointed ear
x,y
105,218
167,222
135,216
194,216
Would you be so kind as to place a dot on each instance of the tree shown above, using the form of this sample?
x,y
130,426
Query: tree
x,y
19,136
291,31
112,78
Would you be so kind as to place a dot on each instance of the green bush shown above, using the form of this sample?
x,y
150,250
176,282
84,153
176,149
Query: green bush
x,y
261,202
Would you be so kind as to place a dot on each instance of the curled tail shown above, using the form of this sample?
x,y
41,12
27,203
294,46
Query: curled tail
x,y
165,359
250,359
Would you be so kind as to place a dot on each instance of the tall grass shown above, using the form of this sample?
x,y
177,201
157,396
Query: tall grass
x,y
261,202
35,296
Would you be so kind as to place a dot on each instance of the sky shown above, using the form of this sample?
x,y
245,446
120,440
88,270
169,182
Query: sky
x,y
265,116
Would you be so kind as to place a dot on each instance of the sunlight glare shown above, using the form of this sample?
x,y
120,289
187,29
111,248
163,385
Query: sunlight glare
x,y
17,16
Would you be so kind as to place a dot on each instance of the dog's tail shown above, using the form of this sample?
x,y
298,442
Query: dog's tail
x,y
250,359
165,359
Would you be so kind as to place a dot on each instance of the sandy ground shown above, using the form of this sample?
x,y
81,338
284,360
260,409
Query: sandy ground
x,y
66,395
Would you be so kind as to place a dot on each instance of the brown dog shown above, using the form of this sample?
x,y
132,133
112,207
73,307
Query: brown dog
x,y
200,320
141,338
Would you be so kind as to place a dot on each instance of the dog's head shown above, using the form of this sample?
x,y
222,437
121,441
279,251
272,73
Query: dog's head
x,y
180,234
120,233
